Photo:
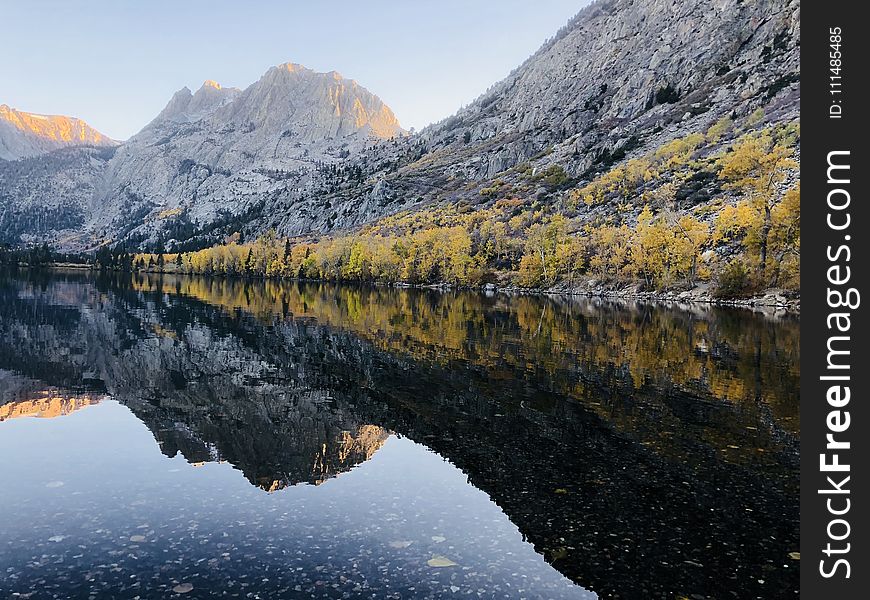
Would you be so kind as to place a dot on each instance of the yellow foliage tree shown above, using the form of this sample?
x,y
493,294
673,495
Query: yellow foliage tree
x,y
757,166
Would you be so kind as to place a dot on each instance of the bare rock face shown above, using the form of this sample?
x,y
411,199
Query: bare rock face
x,y
220,153
308,107
645,69
24,134
187,107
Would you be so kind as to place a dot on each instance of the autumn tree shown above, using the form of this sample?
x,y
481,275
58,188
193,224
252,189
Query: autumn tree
x,y
785,238
608,249
358,262
550,253
757,166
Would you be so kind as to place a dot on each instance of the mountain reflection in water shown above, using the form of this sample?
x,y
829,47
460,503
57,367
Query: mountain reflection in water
x,y
643,452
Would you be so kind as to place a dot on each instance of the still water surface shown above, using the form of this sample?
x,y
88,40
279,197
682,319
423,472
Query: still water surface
x,y
186,437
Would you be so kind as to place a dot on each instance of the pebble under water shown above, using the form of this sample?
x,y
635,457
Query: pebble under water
x,y
97,510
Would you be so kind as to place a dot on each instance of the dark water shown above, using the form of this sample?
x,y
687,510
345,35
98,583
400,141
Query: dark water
x,y
208,438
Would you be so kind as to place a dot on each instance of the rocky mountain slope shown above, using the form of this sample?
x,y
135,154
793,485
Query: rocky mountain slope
x,y
48,197
25,134
621,79
309,153
624,74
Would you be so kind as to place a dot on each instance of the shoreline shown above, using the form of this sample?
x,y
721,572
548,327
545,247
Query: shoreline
x,y
773,299
770,299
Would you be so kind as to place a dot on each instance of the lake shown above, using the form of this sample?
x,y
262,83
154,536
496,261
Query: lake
x,y
172,436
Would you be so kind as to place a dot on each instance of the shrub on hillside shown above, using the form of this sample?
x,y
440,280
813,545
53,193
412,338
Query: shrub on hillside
x,y
734,281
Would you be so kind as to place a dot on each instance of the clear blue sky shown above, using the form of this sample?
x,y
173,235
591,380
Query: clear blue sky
x,y
116,63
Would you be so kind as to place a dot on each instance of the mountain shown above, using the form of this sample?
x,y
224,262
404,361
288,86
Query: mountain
x,y
221,152
25,134
216,155
308,153
623,77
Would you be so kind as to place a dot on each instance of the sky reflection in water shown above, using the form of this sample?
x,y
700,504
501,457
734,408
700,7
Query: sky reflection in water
x,y
96,506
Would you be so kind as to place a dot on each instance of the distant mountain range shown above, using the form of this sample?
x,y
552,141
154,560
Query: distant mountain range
x,y
309,153
24,134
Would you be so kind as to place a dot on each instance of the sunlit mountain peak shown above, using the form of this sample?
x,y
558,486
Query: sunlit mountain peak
x,y
24,134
